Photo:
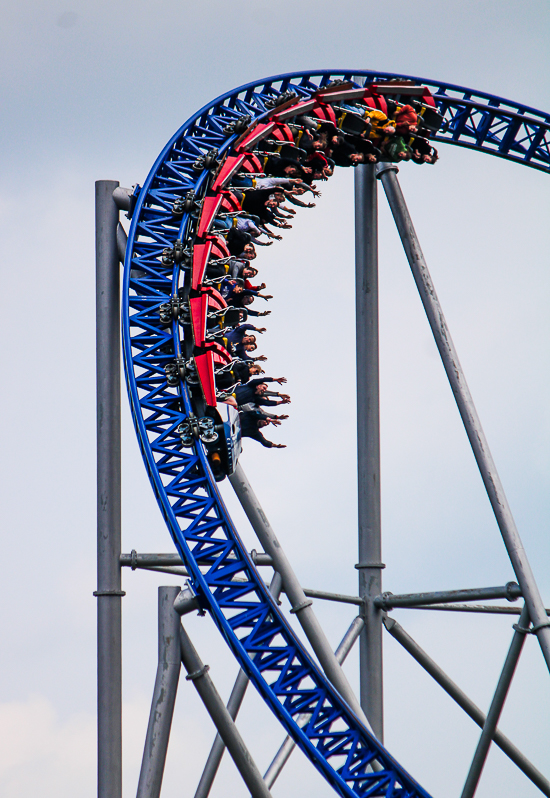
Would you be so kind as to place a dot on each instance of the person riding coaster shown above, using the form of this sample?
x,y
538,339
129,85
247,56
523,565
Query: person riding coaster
x,y
226,389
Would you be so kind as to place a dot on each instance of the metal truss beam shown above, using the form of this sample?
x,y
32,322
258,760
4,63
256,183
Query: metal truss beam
x,y
301,605
178,570
218,748
233,706
339,598
283,754
482,608
226,581
135,560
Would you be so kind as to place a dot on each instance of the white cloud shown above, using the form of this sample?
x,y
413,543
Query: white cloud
x,y
43,754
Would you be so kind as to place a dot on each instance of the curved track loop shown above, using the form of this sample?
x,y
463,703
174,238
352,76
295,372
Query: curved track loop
x,y
261,639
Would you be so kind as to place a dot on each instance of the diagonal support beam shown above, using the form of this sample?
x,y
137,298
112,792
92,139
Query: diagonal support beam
x,y
497,704
466,408
197,673
471,709
218,748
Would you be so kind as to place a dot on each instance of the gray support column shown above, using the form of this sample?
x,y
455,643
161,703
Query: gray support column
x,y
233,706
389,601
164,695
283,754
467,410
497,704
301,605
198,674
218,748
471,709
485,609
109,660
368,443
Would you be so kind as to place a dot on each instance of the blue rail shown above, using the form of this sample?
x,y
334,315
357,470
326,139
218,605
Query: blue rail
x,y
222,574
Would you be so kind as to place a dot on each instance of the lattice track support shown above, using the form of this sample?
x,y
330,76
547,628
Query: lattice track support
x,y
301,605
233,706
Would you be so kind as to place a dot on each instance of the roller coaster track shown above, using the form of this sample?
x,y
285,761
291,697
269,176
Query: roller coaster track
x,y
223,576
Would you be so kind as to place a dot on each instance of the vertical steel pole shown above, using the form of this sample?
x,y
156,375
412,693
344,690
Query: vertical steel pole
x,y
368,443
164,695
109,594
497,704
467,410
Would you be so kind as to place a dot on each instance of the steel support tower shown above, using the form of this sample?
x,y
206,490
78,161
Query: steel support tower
x,y
474,120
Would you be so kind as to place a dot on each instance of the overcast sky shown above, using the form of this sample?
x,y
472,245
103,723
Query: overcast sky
x,y
93,91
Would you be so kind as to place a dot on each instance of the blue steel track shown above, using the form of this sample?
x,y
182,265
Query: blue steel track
x,y
223,576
